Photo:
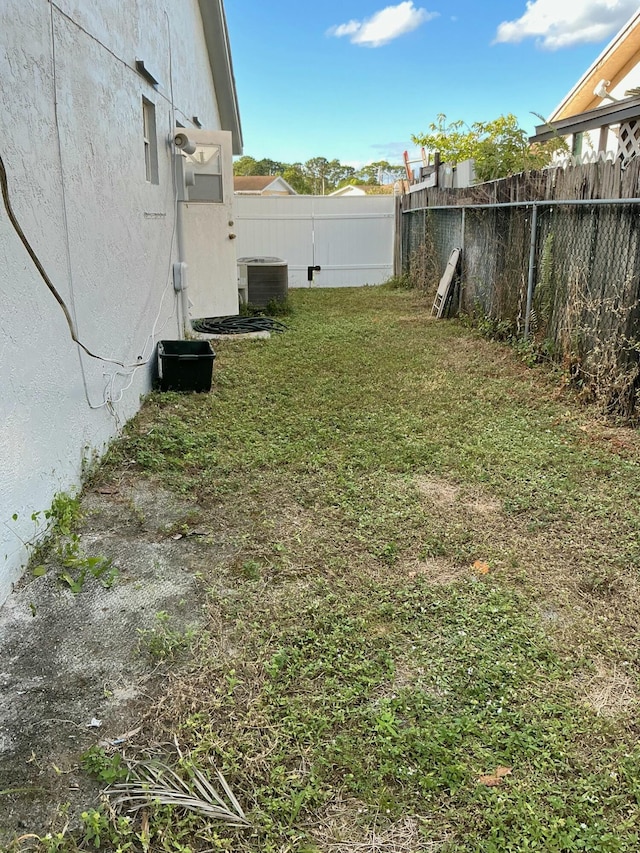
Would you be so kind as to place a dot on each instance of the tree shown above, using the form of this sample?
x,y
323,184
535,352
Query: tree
x,y
316,170
318,175
499,147
246,166
250,166
380,172
294,175
271,167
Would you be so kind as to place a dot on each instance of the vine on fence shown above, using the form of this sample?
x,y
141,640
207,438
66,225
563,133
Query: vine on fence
x,y
586,303
600,343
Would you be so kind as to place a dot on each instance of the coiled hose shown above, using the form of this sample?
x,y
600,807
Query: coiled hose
x,y
237,325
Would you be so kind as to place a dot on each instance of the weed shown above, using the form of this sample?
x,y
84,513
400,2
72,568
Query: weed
x,y
62,541
107,768
399,282
251,570
275,307
77,565
162,642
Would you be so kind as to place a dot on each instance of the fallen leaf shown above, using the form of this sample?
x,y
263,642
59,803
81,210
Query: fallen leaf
x,y
490,781
495,779
480,567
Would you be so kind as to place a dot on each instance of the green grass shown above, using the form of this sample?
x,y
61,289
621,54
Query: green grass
x,y
356,675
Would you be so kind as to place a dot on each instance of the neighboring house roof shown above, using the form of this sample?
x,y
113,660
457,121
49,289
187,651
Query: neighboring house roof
x,y
608,114
615,62
216,36
262,185
364,189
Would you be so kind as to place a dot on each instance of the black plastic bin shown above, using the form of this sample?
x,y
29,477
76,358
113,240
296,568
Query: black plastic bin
x,y
185,365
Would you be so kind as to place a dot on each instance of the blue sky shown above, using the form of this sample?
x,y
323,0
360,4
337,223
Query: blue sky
x,y
354,79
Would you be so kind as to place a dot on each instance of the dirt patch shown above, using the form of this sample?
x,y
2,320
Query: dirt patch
x,y
436,571
447,495
348,826
609,691
438,491
70,659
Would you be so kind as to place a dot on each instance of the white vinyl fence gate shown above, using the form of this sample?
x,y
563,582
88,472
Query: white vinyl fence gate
x,y
351,239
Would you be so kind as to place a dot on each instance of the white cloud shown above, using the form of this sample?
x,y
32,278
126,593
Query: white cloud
x,y
384,26
563,23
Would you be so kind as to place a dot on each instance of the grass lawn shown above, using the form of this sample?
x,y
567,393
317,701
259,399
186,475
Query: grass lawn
x,y
424,635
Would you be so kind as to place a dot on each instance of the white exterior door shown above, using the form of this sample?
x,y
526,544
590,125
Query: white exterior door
x,y
207,229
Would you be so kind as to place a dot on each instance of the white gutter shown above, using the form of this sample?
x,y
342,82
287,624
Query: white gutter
x,y
216,36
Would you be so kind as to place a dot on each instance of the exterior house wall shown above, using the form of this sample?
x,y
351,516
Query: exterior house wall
x,y
592,141
72,144
619,67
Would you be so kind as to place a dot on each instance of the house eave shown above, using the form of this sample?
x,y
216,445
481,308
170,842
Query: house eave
x,y
216,37
609,114
612,64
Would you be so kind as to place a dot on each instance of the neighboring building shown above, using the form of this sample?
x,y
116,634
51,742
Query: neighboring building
x,y
261,185
597,117
364,189
91,98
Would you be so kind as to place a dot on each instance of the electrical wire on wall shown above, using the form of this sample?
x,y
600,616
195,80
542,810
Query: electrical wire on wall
x,y
110,397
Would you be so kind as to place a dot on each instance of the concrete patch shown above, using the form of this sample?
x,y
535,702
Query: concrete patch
x,y
67,659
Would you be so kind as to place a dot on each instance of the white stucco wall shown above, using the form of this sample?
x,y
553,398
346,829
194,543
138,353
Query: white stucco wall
x,y
104,235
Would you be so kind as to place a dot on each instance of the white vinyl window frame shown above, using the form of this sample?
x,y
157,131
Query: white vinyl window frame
x,y
150,141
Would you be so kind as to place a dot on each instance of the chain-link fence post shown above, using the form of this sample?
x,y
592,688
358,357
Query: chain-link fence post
x,y
461,279
532,261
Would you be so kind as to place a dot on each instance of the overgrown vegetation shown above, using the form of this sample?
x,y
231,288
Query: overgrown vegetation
x,y
425,635
62,541
499,147
586,308
59,538
275,307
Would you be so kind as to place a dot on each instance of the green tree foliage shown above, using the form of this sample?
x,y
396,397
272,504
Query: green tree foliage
x,y
246,166
319,176
251,166
499,147
295,176
380,172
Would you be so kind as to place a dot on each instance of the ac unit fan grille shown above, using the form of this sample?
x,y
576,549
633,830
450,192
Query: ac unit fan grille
x,y
266,284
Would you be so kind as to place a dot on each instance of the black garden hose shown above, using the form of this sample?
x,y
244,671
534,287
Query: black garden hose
x,y
4,188
237,325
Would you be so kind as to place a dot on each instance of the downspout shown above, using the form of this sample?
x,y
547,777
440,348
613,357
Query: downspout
x,y
180,281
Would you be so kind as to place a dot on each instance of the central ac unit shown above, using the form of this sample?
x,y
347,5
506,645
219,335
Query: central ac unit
x,y
263,280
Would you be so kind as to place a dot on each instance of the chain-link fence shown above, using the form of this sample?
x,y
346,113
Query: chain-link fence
x,y
565,275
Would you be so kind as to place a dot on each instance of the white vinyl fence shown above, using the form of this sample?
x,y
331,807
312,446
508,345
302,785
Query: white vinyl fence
x,y
350,239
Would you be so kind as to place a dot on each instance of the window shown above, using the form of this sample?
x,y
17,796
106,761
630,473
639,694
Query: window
x,y
207,167
150,141
576,147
